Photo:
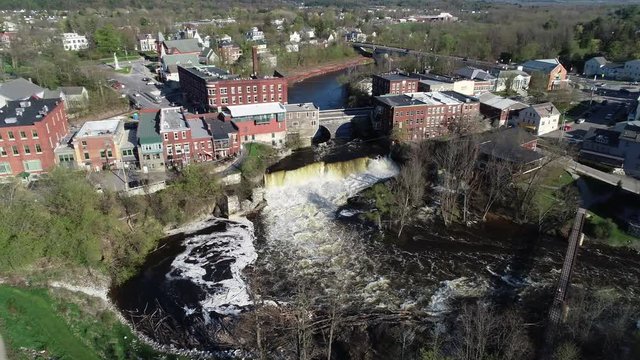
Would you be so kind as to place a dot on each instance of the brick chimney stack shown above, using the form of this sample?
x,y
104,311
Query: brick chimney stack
x,y
256,63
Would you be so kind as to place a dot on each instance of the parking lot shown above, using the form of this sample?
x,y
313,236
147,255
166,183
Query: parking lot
x,y
609,106
141,81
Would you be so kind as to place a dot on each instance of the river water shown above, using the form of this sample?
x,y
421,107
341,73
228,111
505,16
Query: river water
x,y
190,290
325,91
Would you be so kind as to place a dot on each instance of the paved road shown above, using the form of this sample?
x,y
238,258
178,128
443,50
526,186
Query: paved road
x,y
135,85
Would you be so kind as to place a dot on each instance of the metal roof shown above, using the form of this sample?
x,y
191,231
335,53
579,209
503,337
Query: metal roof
x,y
19,89
255,109
147,128
198,129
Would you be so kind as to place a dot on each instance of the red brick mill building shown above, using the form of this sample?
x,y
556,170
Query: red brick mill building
x,y
30,130
212,88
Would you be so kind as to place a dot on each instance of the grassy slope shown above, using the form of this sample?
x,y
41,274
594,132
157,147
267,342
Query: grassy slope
x,y
32,319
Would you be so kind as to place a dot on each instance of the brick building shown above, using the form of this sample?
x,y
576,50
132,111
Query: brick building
x,y
30,130
229,52
213,88
393,84
420,116
97,145
183,140
263,123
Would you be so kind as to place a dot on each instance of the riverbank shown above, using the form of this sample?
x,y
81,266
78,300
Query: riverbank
x,y
303,74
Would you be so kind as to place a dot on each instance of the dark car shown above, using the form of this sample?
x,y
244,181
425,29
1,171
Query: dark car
x,y
146,79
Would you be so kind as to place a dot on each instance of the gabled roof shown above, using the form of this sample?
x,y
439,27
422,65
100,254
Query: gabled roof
x,y
19,89
472,73
544,65
545,109
600,60
181,59
72,90
52,94
501,103
184,45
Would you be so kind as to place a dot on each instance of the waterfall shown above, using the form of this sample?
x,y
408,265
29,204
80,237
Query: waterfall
x,y
333,170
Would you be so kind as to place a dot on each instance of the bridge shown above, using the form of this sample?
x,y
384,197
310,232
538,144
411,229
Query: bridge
x,y
560,296
378,48
626,182
338,123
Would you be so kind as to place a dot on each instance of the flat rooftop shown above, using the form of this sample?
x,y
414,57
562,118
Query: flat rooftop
x,y
172,119
25,112
300,107
255,109
210,73
396,77
98,128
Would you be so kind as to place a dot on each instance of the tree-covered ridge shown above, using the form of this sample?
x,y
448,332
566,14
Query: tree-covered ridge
x,y
614,35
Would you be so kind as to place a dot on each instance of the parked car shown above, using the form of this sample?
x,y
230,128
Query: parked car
x,y
580,121
145,79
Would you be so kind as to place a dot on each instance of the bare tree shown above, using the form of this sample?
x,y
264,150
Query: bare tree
x,y
409,189
455,160
496,178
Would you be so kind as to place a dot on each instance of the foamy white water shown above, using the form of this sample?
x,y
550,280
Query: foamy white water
x,y
215,262
302,233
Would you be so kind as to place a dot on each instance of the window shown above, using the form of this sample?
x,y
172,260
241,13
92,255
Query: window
x,y
233,90
86,156
3,152
10,135
264,88
169,150
255,88
175,135
127,152
225,100
248,89
38,149
166,136
186,148
184,135
5,168
271,87
103,154
34,134
178,148
255,98
279,87
109,153
23,135
32,165
223,91
0,137
27,150
273,135
65,158
84,143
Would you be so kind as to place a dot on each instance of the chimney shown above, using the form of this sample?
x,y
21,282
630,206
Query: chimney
x,y
256,64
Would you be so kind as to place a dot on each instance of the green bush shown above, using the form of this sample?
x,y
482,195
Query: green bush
x,y
603,229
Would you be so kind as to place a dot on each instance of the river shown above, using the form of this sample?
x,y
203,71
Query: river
x,y
325,91
305,242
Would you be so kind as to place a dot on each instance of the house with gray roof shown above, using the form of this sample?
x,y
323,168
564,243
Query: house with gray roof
x,y
599,66
182,46
552,69
539,119
170,64
19,89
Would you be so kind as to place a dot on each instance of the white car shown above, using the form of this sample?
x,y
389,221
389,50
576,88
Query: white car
x,y
151,82
580,121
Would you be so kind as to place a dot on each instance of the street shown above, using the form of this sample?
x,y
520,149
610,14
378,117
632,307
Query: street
x,y
609,106
137,88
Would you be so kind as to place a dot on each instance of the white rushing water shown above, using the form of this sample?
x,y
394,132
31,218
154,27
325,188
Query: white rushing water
x,y
215,262
309,245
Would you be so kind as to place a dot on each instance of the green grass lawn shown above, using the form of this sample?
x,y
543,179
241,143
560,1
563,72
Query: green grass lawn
x,y
554,180
618,236
31,318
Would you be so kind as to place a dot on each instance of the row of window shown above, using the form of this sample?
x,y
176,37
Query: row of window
x,y
175,135
22,133
299,114
238,100
15,150
28,165
238,89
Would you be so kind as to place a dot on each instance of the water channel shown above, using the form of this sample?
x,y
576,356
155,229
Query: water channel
x,y
306,235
